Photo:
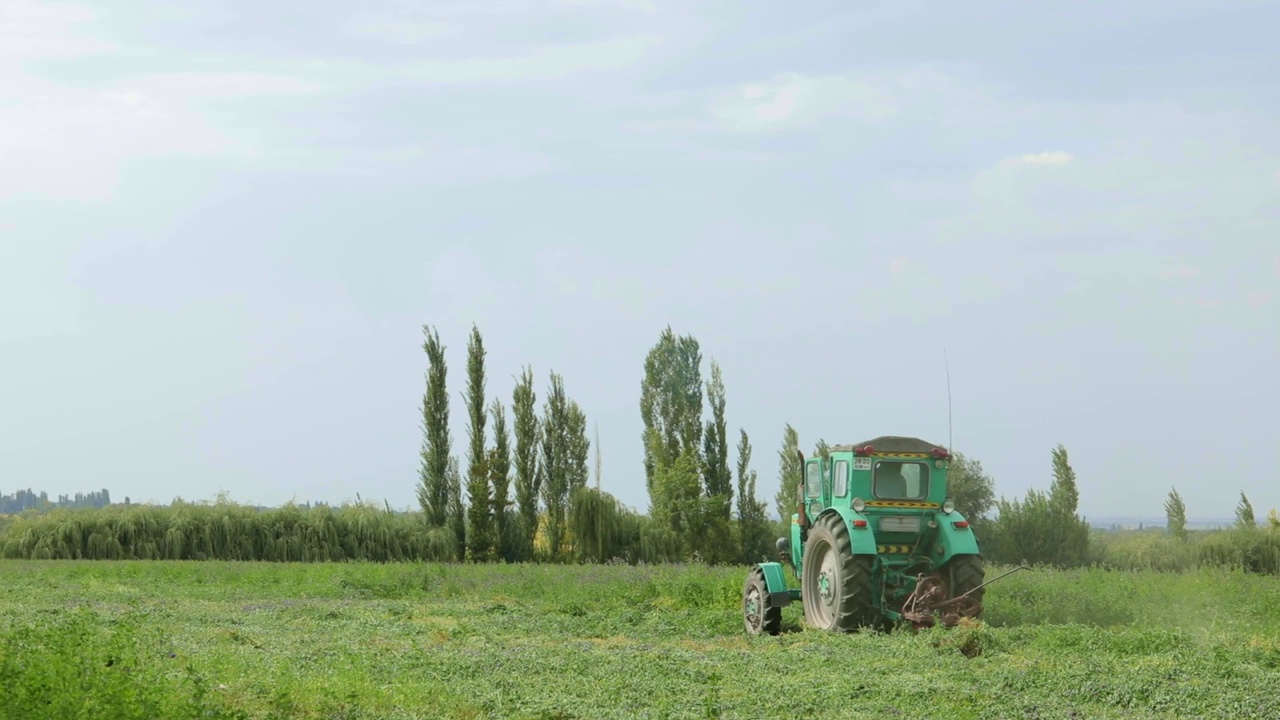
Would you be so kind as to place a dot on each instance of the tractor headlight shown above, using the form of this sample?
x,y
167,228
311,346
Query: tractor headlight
x,y
859,504
948,506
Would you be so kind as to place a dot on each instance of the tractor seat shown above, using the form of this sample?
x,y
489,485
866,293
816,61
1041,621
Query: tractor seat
x,y
894,486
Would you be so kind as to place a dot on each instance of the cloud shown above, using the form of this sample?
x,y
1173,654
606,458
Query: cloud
x,y
1180,272
1056,157
401,31
194,87
793,100
73,141
36,30
553,62
645,6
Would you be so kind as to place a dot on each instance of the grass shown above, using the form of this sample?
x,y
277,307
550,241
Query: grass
x,y
222,639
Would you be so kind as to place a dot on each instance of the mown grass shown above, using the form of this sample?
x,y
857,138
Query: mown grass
x,y
221,639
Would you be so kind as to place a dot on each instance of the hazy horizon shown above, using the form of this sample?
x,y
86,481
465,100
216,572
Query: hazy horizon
x,y
224,229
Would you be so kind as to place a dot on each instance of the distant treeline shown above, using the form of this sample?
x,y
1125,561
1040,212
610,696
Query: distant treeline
x,y
28,500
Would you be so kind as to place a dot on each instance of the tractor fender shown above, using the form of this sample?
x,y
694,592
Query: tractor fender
x,y
775,583
951,540
863,539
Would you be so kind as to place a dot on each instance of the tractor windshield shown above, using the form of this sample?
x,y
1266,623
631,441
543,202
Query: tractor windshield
x,y
901,480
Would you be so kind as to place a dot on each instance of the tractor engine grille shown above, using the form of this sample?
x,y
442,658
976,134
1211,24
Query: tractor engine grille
x,y
900,524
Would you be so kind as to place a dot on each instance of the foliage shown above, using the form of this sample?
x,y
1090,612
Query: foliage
x,y
972,489
499,465
482,536
1044,528
80,664
714,536
226,531
565,452
457,512
1244,513
678,481
1176,515
1064,496
433,491
789,472
753,526
527,476
671,410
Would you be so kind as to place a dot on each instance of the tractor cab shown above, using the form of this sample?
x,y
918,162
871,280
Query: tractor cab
x,y
896,484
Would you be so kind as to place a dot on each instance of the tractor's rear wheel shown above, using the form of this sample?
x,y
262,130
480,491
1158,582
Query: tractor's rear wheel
x,y
964,573
758,613
836,589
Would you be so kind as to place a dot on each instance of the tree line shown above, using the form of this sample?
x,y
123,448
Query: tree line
x,y
526,493
521,491
22,500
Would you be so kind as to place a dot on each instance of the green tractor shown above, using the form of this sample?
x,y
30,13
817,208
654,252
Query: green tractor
x,y
875,541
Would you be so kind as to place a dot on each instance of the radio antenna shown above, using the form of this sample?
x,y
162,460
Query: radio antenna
x,y
946,364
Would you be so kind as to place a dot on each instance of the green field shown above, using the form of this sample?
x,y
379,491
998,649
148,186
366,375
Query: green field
x,y
218,639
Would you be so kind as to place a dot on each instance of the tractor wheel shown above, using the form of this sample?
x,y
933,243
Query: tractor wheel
x,y
758,613
964,573
837,583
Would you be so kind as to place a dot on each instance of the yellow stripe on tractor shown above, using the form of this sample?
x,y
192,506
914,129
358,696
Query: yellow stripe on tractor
x,y
913,504
893,549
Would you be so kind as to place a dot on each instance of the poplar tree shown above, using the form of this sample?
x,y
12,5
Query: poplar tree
x,y
527,476
716,542
1175,512
500,480
481,539
553,471
457,512
433,491
789,470
753,529
671,410
1064,497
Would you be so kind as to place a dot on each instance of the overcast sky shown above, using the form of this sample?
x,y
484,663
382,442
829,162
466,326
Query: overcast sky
x,y
221,231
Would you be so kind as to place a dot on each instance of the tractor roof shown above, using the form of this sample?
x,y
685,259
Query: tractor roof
x,y
891,444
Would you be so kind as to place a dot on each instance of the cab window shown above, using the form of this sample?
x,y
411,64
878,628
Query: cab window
x,y
840,479
899,480
813,480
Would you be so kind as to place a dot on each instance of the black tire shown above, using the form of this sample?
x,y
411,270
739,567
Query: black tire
x,y
964,573
758,613
842,601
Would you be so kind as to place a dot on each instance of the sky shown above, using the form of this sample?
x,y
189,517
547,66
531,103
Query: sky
x,y
223,228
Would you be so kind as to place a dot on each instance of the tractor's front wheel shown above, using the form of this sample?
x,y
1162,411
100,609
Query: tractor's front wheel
x,y
758,613
836,583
